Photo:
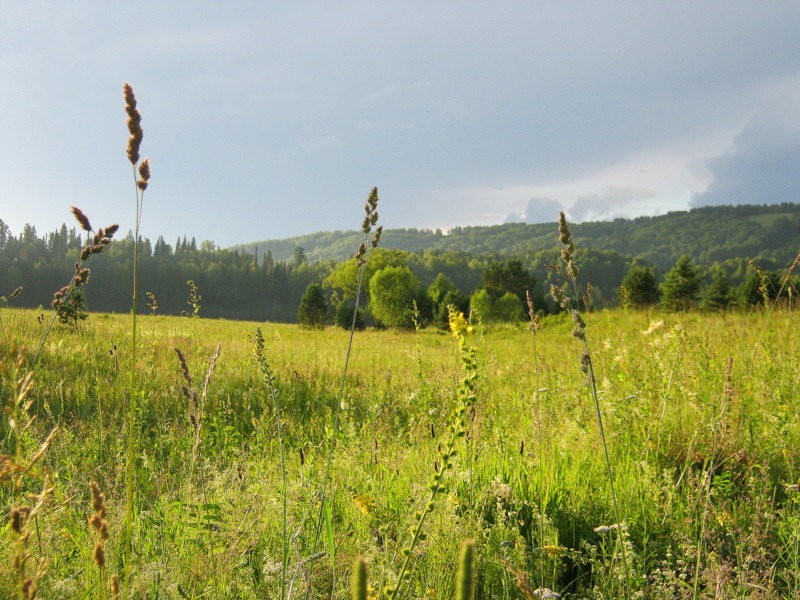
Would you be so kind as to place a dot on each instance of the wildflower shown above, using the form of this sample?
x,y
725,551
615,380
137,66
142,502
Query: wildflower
x,y
459,325
551,550
654,326
364,504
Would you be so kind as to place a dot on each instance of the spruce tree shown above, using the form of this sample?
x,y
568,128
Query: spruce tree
x,y
719,295
639,288
681,285
313,308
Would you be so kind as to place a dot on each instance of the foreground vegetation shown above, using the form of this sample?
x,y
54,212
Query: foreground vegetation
x,y
701,418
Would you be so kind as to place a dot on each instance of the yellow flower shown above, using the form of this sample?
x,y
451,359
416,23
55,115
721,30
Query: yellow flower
x,y
459,325
364,504
551,550
724,517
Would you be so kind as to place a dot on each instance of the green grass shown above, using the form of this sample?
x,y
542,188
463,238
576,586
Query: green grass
x,y
702,489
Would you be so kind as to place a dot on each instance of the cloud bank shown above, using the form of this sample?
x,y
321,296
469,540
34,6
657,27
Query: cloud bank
x,y
762,168
538,210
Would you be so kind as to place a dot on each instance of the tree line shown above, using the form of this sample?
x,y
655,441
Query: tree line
x,y
400,288
707,235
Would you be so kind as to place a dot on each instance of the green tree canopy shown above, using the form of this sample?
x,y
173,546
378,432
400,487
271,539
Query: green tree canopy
x,y
344,278
391,292
511,277
508,308
440,287
481,305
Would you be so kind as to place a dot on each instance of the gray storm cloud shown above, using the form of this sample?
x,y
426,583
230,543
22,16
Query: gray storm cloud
x,y
762,168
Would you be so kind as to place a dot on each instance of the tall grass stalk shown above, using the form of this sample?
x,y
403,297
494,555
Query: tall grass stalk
x,y
358,588
361,258
465,576
534,326
141,177
271,384
569,271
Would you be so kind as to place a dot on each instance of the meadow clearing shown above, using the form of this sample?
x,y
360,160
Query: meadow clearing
x,y
700,414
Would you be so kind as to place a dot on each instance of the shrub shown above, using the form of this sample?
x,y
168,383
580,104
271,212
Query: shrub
x,y
344,317
480,303
508,308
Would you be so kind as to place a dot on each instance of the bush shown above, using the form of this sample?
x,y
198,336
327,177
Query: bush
x,y
508,308
480,303
344,317
454,298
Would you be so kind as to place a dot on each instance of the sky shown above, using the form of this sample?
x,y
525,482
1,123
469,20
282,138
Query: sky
x,y
273,119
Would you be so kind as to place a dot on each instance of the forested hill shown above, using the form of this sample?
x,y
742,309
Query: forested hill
x,y
708,234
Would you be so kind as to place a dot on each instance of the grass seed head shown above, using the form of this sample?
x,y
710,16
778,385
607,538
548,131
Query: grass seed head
x,y
377,238
144,174
98,498
81,218
99,555
134,127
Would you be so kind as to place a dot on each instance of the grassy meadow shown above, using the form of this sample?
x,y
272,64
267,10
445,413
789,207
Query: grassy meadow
x,y
700,414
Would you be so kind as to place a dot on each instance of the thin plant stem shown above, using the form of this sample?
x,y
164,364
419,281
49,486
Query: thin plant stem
x,y
127,537
567,250
336,410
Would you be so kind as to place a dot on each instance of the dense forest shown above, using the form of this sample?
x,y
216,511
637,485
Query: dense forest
x,y
267,283
708,234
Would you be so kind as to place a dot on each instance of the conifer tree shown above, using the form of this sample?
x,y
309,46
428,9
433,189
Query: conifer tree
x,y
681,285
639,288
313,309
719,294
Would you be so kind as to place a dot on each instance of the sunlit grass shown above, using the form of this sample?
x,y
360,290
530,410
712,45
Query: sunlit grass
x,y
533,498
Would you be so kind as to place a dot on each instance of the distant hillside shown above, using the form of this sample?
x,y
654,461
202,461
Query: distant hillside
x,y
708,234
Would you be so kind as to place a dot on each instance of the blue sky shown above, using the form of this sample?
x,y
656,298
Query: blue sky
x,y
272,119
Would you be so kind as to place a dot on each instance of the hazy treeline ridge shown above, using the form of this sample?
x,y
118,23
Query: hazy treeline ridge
x,y
708,234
